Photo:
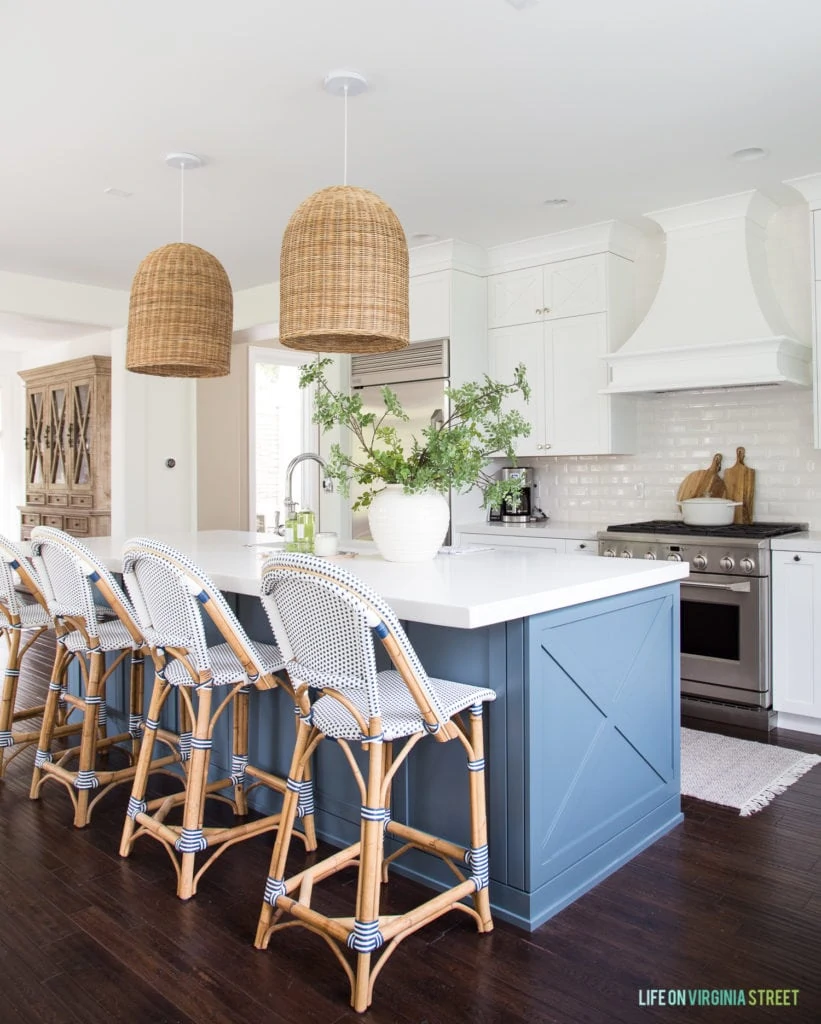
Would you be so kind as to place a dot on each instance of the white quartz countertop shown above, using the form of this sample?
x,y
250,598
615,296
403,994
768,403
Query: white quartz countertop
x,y
810,540
547,528
468,590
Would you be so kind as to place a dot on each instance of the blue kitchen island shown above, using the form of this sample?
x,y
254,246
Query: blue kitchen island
x,y
582,741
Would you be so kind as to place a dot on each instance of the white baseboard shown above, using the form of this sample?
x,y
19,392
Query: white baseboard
x,y
800,723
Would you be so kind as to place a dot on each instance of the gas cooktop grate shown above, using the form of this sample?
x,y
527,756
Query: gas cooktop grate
x,y
736,530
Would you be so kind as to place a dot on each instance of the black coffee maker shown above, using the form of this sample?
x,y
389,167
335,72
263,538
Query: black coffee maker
x,y
524,510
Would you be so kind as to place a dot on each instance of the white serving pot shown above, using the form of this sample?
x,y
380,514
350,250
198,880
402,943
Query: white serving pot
x,y
708,511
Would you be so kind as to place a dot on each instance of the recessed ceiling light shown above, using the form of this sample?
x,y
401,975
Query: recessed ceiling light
x,y
557,202
752,153
520,5
118,193
422,238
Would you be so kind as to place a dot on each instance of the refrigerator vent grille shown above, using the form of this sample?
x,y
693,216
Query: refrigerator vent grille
x,y
426,356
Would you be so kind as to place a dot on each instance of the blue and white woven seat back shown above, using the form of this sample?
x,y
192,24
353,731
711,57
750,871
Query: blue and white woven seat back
x,y
66,586
324,619
169,591
321,627
10,557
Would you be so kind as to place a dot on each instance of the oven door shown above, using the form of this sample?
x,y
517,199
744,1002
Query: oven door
x,y
725,637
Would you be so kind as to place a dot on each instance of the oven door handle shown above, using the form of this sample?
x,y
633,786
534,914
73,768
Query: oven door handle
x,y
742,587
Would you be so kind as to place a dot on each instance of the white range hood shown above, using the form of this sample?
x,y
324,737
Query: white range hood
x,y
715,321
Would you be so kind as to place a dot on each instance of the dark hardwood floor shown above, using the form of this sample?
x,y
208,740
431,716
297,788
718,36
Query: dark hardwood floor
x,y
722,902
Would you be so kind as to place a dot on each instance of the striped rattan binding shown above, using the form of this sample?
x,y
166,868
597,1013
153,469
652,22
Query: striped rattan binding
x,y
344,275
180,315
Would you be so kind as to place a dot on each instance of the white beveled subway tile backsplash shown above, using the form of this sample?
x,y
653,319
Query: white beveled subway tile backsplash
x,y
680,432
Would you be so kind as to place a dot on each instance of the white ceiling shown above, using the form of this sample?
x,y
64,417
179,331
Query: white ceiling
x,y
22,333
477,113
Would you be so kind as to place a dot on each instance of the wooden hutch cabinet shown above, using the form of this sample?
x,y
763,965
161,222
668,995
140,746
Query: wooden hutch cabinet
x,y
68,447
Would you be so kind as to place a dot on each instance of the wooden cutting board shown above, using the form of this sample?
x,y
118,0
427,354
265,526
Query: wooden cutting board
x,y
703,483
740,482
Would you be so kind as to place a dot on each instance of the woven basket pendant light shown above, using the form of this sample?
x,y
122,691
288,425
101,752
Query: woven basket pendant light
x,y
180,314
344,271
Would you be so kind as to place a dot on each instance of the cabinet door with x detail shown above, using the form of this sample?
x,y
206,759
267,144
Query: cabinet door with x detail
x,y
81,435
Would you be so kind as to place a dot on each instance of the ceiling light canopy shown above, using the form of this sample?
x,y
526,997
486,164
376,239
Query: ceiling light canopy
x,y
344,273
751,153
180,312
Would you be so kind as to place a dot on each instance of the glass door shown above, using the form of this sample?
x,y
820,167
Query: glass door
x,y
57,444
80,436
35,445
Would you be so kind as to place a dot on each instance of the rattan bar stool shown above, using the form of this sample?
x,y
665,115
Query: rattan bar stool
x,y
16,619
68,572
323,618
170,593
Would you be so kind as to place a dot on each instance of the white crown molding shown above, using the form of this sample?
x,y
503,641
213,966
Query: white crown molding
x,y
450,254
810,188
752,205
606,236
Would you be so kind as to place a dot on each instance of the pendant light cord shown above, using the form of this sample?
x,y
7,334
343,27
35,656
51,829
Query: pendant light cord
x,y
345,161
182,201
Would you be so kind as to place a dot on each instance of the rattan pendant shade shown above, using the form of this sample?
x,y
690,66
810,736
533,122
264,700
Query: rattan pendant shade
x,y
180,315
344,275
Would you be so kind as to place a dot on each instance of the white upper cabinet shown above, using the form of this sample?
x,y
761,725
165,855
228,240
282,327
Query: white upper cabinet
x,y
576,415
515,298
561,320
507,348
430,306
566,288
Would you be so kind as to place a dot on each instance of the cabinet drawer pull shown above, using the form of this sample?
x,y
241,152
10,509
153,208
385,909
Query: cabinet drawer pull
x,y
796,558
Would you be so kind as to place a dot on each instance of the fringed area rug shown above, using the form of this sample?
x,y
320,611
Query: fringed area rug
x,y
738,773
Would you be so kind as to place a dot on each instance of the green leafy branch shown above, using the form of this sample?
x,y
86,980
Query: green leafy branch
x,y
453,453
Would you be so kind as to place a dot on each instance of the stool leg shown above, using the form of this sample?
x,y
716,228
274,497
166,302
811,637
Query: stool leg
x,y
239,753
372,831
135,701
305,807
86,780
136,802
9,694
478,819
43,754
192,839
276,872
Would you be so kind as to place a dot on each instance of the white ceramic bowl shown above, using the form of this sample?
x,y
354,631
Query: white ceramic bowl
x,y
708,511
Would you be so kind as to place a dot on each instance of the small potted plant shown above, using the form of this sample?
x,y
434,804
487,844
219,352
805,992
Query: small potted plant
x,y
404,490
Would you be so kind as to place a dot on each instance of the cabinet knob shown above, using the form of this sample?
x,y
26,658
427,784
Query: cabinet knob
x,y
539,312
546,310
582,547
796,558
547,446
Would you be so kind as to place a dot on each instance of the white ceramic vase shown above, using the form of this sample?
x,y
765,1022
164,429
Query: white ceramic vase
x,y
408,527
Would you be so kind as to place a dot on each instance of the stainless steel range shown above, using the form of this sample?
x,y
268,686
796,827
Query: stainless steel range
x,y
726,670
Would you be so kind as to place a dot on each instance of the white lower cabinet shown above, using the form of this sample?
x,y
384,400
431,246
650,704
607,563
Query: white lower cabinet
x,y
796,632
558,545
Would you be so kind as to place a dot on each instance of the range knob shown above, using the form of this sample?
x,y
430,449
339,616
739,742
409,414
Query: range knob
x,y
699,562
627,553
609,553
651,555
674,556
747,564
727,563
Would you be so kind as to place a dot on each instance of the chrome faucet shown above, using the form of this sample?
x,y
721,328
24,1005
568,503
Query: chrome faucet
x,y
290,504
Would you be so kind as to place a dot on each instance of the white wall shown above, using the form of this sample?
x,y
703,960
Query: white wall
x,y
680,432
12,455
